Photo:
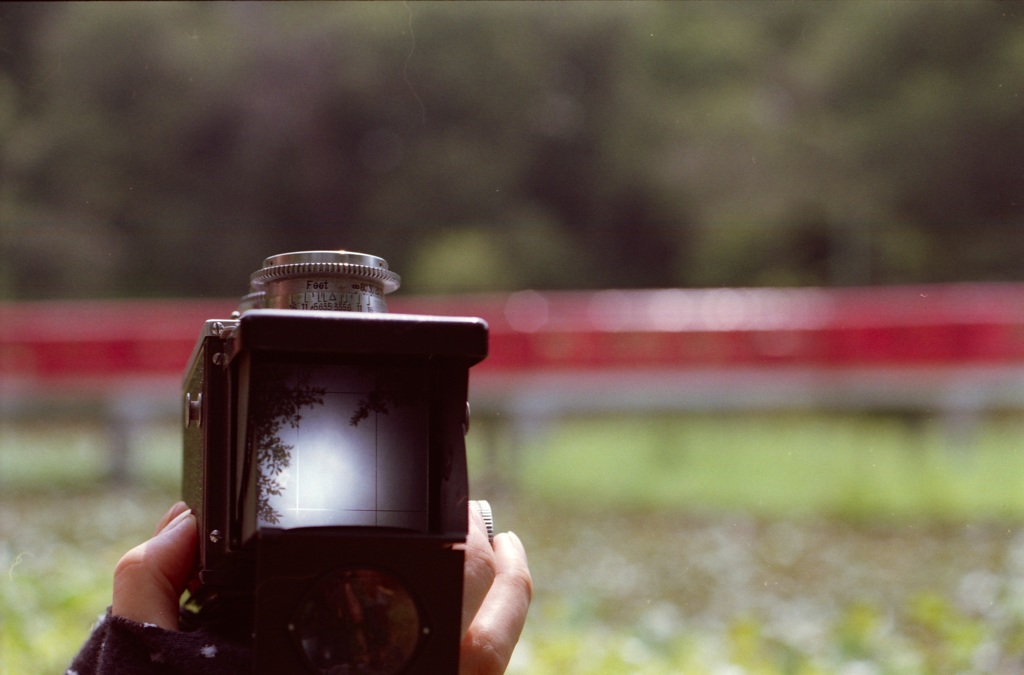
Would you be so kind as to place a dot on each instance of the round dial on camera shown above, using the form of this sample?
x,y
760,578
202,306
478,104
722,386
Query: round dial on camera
x,y
322,280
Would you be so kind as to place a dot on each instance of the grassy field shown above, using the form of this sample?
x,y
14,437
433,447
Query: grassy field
x,y
785,465
706,544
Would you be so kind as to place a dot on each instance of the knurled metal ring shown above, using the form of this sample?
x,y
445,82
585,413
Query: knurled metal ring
x,y
483,507
385,277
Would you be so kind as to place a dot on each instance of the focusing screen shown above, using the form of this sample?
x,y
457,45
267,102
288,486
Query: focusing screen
x,y
340,445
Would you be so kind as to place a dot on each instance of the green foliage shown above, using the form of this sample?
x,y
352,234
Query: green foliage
x,y
918,616
57,555
728,572
786,465
164,149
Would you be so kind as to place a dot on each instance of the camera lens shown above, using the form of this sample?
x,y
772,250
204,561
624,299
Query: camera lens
x,y
322,280
357,621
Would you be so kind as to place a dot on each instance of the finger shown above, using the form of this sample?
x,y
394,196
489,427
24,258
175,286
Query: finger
x,y
149,579
176,510
488,644
478,569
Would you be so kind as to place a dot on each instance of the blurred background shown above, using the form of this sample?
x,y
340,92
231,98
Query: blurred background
x,y
754,402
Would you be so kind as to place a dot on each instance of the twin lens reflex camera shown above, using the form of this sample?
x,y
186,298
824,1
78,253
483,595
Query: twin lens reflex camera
x,y
325,461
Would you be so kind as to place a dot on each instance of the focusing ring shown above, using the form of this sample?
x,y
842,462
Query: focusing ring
x,y
382,275
321,280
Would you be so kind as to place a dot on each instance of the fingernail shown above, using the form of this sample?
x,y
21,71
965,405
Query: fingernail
x,y
522,546
171,510
177,521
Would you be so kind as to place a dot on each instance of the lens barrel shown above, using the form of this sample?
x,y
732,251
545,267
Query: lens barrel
x,y
357,621
322,280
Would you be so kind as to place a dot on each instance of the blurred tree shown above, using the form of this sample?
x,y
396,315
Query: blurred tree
x,y
164,149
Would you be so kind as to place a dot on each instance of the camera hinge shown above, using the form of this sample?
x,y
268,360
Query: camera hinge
x,y
222,330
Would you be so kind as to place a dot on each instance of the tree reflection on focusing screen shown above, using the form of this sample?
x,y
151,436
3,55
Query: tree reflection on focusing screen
x,y
340,445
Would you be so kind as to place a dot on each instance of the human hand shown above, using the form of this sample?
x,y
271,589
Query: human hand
x,y
496,595
150,579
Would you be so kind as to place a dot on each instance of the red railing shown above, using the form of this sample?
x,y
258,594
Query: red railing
x,y
903,327
68,346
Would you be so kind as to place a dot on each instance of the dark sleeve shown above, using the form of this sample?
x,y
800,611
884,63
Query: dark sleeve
x,y
119,646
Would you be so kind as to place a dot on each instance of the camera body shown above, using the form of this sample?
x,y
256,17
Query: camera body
x,y
325,461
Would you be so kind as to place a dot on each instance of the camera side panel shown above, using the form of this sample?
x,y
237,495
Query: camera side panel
x,y
207,437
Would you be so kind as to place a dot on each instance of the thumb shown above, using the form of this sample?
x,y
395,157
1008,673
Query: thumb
x,y
150,578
